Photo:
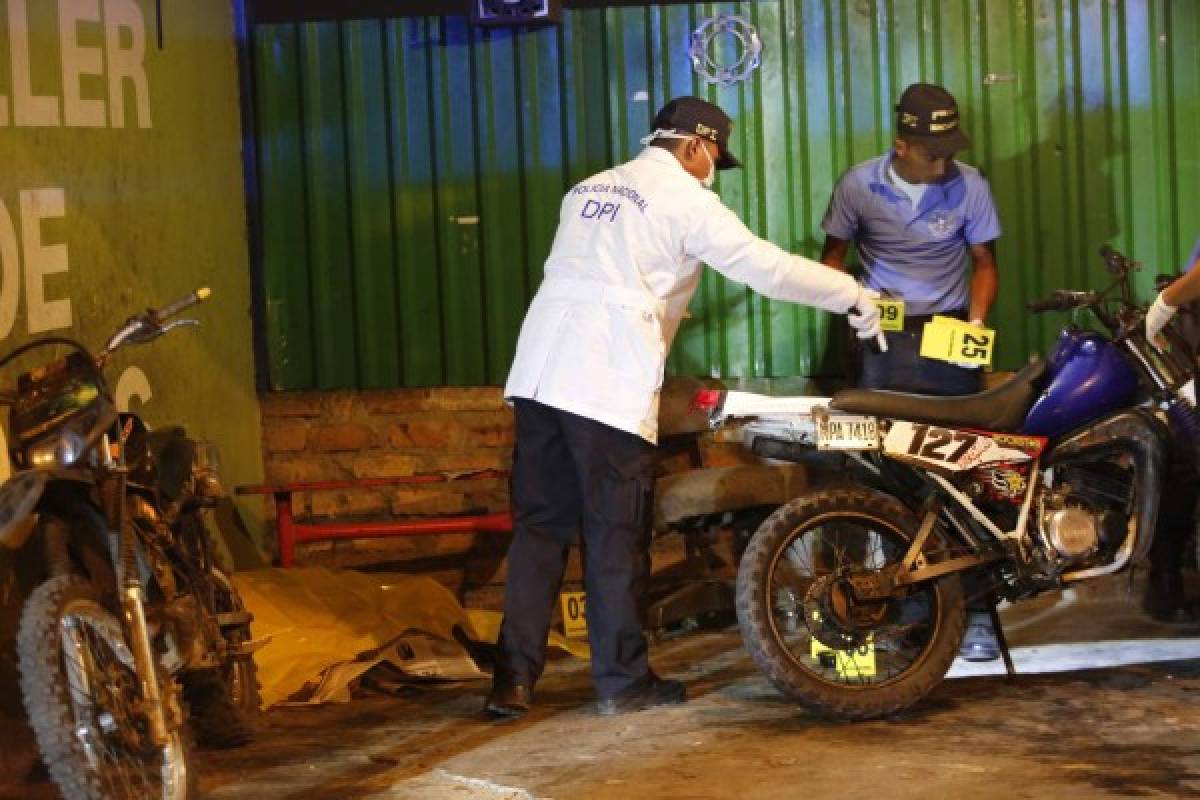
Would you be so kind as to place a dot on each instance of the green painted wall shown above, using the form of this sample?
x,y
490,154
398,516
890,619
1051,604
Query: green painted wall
x,y
412,168
122,187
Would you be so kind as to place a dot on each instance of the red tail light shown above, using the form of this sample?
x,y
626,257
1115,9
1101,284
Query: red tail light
x,y
706,400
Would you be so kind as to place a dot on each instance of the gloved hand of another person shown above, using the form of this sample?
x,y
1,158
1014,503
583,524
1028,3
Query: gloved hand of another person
x,y
864,317
1157,317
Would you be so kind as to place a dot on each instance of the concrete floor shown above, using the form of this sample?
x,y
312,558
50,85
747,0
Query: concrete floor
x,y
1125,731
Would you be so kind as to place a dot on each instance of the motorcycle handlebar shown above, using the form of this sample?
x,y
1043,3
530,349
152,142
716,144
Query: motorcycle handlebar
x,y
148,326
1065,300
171,309
1049,304
1061,300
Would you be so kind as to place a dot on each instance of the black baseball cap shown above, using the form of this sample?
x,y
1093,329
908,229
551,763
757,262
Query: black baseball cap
x,y
702,118
928,115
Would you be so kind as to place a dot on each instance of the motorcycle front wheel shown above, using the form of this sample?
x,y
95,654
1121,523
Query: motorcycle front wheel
x,y
81,694
809,634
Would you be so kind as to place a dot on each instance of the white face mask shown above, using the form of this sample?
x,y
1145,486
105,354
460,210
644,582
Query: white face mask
x,y
708,180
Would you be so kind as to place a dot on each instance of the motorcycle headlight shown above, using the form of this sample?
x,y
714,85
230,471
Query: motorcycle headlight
x,y
61,449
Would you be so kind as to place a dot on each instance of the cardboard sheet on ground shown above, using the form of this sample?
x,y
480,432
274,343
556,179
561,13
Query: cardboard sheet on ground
x,y
327,628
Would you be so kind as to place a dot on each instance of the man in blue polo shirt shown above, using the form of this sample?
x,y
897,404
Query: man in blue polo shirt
x,y
917,217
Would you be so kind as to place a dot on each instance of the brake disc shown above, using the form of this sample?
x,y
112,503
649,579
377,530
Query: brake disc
x,y
835,619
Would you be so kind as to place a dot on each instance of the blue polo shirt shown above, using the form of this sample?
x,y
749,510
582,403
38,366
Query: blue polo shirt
x,y
1193,258
918,254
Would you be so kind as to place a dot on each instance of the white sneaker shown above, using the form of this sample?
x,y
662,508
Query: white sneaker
x,y
979,643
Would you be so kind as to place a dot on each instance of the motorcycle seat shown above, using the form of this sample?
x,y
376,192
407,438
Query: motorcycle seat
x,y
1000,409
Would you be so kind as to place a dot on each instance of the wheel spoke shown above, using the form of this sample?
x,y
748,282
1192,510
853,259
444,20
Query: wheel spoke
x,y
100,685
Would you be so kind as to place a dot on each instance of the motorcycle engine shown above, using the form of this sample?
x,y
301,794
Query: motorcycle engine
x,y
1073,532
1087,511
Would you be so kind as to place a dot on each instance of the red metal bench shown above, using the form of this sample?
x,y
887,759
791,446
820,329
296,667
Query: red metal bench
x,y
289,532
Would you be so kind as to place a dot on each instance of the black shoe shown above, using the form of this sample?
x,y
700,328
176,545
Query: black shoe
x,y
654,691
508,700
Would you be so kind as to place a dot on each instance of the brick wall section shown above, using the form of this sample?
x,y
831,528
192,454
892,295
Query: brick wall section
x,y
315,436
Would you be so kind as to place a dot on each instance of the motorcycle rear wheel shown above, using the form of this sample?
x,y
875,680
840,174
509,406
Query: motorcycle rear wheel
x,y
812,640
80,691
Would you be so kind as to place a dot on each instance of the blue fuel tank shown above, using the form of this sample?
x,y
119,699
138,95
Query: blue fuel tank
x,y
1088,376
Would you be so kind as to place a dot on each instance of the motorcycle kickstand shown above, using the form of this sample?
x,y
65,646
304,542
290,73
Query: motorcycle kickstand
x,y
998,630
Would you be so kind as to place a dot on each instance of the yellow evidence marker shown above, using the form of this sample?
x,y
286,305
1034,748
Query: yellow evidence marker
x,y
574,613
950,339
857,663
891,313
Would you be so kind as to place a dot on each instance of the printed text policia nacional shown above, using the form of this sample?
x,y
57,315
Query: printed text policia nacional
x,y
626,192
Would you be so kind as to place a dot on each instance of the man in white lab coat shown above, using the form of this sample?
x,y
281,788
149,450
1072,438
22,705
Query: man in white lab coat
x,y
585,385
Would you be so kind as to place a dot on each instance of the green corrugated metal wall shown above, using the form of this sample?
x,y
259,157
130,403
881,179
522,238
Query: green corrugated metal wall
x,y
411,169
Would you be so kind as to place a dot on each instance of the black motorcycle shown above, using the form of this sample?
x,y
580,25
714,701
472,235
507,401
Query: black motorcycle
x,y
135,631
852,598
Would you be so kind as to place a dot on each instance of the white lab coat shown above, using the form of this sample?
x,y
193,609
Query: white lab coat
x,y
624,264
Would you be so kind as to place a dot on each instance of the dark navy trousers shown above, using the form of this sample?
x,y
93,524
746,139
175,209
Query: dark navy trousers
x,y
1177,505
903,369
572,475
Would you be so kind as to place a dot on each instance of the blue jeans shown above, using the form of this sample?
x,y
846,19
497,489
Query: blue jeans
x,y
902,368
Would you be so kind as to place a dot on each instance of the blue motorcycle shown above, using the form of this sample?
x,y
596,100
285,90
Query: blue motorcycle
x,y
852,599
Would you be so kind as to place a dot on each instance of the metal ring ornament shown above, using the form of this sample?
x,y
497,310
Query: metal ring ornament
x,y
746,37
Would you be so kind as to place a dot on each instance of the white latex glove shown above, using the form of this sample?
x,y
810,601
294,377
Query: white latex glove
x,y
863,316
978,323
1157,317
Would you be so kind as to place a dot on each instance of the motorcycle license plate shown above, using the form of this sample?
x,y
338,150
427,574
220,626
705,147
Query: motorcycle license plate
x,y
847,432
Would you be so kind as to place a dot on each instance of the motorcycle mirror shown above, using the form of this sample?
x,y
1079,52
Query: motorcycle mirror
x,y
1118,266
